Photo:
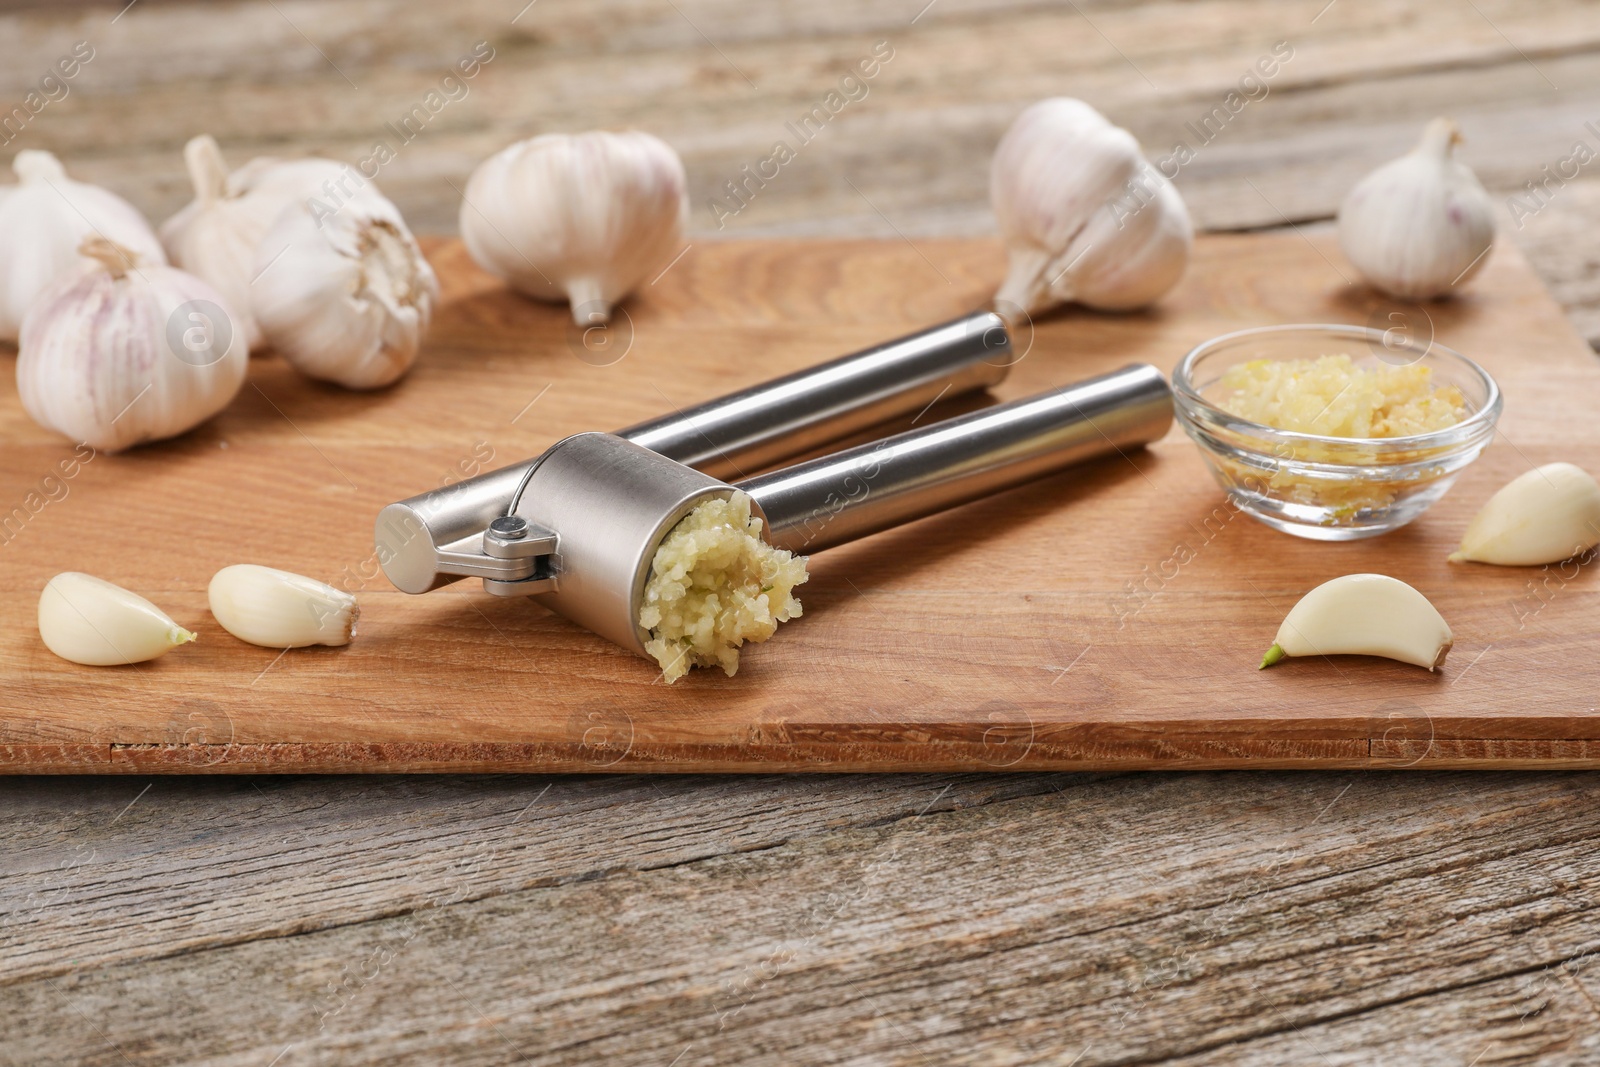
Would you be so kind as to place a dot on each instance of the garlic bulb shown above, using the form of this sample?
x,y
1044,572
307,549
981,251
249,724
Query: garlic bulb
x,y
1085,218
1545,515
131,351
344,294
44,219
90,621
1364,615
215,236
280,609
1421,224
583,217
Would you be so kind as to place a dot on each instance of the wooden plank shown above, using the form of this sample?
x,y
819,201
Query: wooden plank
x,y
1544,1015
305,855
916,146
1072,667
1182,918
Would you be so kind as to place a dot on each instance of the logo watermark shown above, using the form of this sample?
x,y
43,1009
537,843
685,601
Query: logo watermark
x,y
1538,193
600,343
852,88
199,332
51,88
52,488
1404,332
1252,86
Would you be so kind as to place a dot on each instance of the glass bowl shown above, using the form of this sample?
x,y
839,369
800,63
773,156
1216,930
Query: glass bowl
x,y
1331,488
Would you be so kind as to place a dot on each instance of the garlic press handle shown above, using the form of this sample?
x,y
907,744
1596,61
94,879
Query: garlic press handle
x,y
795,414
436,538
838,498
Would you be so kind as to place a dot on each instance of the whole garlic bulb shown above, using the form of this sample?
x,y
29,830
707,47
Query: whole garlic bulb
x,y
1085,218
216,235
1421,224
127,352
44,219
344,296
583,217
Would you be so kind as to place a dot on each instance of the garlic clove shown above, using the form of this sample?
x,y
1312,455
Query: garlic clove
x,y
1085,218
1420,225
44,219
280,609
90,621
215,237
344,294
128,351
1542,516
583,217
206,239
1363,615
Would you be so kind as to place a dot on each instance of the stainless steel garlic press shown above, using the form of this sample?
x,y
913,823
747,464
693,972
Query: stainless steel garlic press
x,y
576,528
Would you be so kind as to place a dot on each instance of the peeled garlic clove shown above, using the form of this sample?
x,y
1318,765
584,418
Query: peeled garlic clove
x,y
583,217
44,219
1363,615
129,351
279,609
90,621
1085,218
216,235
1546,515
1421,224
343,292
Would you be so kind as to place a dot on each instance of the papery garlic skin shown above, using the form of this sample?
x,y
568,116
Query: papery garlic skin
x,y
281,609
90,621
1364,615
582,217
44,219
215,236
1084,217
127,352
344,293
1545,515
1419,225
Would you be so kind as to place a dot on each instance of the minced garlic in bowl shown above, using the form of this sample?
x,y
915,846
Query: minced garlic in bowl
x,y
1333,432
715,584
1333,397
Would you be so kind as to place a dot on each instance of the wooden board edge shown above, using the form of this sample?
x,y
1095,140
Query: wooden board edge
x,y
859,757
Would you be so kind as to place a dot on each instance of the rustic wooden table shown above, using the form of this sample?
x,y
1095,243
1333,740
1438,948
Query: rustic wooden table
x,y
1176,918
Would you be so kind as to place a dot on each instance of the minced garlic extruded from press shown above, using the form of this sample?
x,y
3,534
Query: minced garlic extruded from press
x,y
1332,397
715,584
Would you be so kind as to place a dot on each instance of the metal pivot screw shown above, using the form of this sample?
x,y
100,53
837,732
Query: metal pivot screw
x,y
509,527
512,537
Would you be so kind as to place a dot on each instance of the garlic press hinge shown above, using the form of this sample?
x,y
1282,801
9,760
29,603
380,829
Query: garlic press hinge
x,y
514,537
510,551
516,540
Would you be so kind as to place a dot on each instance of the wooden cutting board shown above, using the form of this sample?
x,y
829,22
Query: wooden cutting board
x,y
1111,617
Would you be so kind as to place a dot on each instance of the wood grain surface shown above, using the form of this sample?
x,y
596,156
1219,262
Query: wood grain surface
x,y
674,921
1434,919
1049,628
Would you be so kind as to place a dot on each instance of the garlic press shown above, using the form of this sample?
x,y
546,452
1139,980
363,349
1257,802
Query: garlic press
x,y
576,528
